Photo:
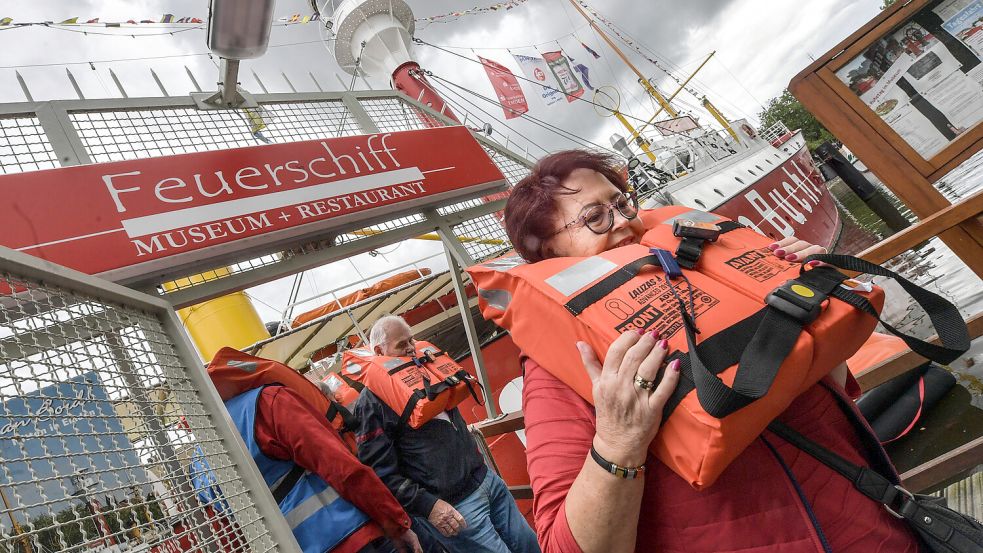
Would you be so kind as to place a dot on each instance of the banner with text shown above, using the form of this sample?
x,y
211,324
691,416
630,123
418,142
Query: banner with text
x,y
506,88
535,69
124,220
564,75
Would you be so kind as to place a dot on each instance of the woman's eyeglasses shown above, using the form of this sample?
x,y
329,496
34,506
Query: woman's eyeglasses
x,y
599,219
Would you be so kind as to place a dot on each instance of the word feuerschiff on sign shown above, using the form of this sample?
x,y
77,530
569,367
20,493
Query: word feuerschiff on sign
x,y
173,213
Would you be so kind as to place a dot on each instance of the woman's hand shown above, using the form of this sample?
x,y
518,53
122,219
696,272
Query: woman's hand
x,y
793,249
627,415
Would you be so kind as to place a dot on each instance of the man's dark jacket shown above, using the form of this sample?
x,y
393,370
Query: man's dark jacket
x,y
440,460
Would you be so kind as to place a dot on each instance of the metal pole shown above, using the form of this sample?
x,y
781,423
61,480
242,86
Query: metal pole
x,y
230,78
192,77
119,85
290,84
160,85
317,84
454,250
259,82
23,86
75,84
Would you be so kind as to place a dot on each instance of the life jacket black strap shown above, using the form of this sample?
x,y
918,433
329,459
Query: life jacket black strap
x,y
287,483
691,248
945,317
335,409
356,385
609,284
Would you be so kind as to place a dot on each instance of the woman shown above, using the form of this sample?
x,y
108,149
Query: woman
x,y
771,498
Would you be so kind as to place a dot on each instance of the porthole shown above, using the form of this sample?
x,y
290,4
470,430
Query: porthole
x,y
719,193
759,167
738,179
701,204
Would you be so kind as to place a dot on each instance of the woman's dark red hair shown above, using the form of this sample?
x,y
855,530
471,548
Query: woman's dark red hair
x,y
530,213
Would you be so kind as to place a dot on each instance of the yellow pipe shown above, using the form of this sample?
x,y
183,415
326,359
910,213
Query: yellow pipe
x,y
643,144
720,118
230,320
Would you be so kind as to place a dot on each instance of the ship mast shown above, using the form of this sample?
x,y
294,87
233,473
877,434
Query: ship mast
x,y
643,80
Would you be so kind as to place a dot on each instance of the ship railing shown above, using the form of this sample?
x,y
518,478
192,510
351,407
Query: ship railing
x,y
930,476
361,282
774,132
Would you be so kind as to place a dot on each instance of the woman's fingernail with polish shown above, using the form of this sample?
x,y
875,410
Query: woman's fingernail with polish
x,y
815,263
655,334
779,252
773,247
664,344
674,366
641,332
791,257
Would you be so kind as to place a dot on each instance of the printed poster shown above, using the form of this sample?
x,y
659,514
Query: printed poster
x,y
560,68
536,69
506,88
924,78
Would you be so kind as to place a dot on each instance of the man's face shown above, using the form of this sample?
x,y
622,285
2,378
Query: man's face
x,y
399,342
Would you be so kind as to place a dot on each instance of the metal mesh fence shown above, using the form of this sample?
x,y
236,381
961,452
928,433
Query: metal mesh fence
x,y
134,134
24,146
106,443
392,114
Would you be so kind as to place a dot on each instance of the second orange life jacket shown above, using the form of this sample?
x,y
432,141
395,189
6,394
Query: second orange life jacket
x,y
751,331
417,388
234,372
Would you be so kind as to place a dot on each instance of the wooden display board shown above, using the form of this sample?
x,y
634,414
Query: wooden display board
x,y
905,94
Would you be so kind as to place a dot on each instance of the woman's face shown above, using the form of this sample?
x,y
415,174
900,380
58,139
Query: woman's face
x,y
577,240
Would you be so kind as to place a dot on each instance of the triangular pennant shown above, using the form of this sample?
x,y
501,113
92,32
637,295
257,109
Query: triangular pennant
x,y
71,21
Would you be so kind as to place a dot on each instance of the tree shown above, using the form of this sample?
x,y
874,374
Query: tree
x,y
887,4
787,109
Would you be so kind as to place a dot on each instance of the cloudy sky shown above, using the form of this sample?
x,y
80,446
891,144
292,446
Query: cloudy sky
x,y
759,44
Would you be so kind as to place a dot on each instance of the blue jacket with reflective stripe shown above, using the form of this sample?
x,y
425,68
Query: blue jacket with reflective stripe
x,y
319,517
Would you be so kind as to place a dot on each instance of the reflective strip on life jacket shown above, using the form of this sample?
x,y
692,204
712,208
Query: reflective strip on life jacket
x,y
319,518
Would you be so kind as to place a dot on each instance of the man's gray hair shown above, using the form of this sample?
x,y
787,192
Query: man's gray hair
x,y
380,330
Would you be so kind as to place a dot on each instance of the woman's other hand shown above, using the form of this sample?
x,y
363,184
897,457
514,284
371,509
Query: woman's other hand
x,y
793,249
627,415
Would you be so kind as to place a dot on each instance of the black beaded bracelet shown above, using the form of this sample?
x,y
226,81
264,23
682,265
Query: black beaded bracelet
x,y
628,473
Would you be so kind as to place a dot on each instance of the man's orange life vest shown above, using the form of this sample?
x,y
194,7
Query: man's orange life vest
x,y
417,387
766,329
234,372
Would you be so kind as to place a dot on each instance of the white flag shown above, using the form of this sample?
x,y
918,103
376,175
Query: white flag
x,y
536,69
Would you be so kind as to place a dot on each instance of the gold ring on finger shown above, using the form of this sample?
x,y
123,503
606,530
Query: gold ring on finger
x,y
647,385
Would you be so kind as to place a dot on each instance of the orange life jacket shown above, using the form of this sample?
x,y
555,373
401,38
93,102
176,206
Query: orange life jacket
x,y
417,387
234,372
759,345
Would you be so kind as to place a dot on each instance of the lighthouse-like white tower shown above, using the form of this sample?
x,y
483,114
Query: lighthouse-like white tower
x,y
376,36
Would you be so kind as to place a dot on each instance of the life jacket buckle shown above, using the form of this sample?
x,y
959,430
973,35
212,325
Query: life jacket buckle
x,y
797,300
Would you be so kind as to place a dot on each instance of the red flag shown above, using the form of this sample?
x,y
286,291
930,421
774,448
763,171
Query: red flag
x,y
506,87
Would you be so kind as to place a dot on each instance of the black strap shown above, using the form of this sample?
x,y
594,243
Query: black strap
x,y
609,284
466,378
287,483
357,386
335,409
406,365
945,317
404,417
690,248
769,346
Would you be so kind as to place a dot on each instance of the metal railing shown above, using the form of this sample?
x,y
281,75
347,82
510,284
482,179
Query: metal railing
x,y
111,437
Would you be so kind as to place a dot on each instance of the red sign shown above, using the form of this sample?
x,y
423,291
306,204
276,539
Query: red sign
x,y
126,219
506,87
